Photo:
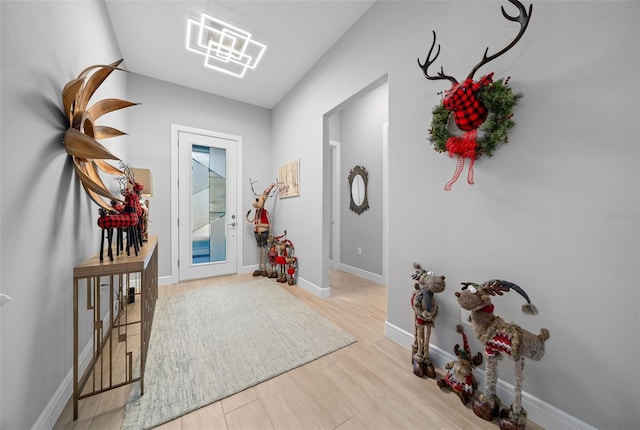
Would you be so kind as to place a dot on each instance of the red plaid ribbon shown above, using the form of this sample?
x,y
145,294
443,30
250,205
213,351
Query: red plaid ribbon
x,y
463,147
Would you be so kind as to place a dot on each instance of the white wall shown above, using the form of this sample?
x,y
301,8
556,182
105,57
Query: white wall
x,y
361,144
555,211
48,223
164,104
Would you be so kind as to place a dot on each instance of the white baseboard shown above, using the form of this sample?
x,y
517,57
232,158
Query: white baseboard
x,y
248,269
373,277
323,293
542,413
165,280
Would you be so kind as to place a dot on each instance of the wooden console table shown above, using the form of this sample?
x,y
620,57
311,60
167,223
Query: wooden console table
x,y
113,324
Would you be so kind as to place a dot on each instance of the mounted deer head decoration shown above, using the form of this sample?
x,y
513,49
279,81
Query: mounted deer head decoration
x,y
482,104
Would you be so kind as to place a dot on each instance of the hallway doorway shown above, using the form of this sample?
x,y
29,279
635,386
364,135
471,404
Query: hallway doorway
x,y
356,133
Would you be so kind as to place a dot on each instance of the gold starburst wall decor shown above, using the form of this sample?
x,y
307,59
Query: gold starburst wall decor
x,y
81,138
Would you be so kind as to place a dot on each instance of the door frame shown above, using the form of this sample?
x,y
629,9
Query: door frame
x,y
175,130
334,154
329,196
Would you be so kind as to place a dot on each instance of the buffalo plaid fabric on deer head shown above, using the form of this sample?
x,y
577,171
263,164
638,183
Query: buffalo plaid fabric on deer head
x,y
133,200
468,112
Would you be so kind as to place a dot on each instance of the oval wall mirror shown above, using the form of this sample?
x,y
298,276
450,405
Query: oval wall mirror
x,y
358,179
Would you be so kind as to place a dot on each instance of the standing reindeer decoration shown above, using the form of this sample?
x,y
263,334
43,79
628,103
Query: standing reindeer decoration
x,y
261,226
425,311
471,103
500,337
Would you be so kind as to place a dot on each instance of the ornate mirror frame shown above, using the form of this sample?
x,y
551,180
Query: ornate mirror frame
x,y
358,189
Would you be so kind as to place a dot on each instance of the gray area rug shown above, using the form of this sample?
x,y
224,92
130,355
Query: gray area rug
x,y
211,343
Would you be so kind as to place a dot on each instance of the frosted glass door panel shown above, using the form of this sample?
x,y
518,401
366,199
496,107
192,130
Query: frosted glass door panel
x,y
208,238
207,190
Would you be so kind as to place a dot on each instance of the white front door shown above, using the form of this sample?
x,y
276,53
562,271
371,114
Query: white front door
x,y
207,194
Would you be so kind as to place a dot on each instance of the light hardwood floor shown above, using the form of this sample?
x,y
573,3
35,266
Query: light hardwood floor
x,y
367,385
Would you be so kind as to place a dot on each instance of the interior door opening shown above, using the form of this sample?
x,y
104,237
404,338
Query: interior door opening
x,y
356,132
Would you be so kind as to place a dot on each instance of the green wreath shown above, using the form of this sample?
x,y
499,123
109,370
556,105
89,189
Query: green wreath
x,y
500,100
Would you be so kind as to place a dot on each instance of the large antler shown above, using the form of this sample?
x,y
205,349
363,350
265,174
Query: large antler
x,y
429,61
523,18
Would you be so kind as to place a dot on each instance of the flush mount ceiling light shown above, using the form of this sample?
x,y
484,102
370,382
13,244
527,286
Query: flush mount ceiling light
x,y
226,48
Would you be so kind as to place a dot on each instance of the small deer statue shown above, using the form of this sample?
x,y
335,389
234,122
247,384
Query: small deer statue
x,y
272,253
460,373
292,268
125,220
125,217
500,337
461,98
261,226
284,250
425,310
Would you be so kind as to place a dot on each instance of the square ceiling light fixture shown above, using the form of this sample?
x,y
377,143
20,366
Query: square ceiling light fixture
x,y
226,48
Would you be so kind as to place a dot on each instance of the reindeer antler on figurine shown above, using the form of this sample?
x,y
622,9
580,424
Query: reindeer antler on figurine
x,y
470,102
501,337
460,373
425,310
261,225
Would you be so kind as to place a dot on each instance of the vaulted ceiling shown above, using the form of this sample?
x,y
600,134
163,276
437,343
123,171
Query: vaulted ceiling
x,y
152,37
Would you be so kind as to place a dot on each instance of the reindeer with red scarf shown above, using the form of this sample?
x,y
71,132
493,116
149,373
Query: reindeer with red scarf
x,y
469,113
261,226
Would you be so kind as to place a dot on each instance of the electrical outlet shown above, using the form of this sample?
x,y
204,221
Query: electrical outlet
x,y
359,251
465,316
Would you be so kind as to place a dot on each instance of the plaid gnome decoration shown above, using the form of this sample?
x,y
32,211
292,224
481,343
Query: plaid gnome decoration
x,y
460,373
